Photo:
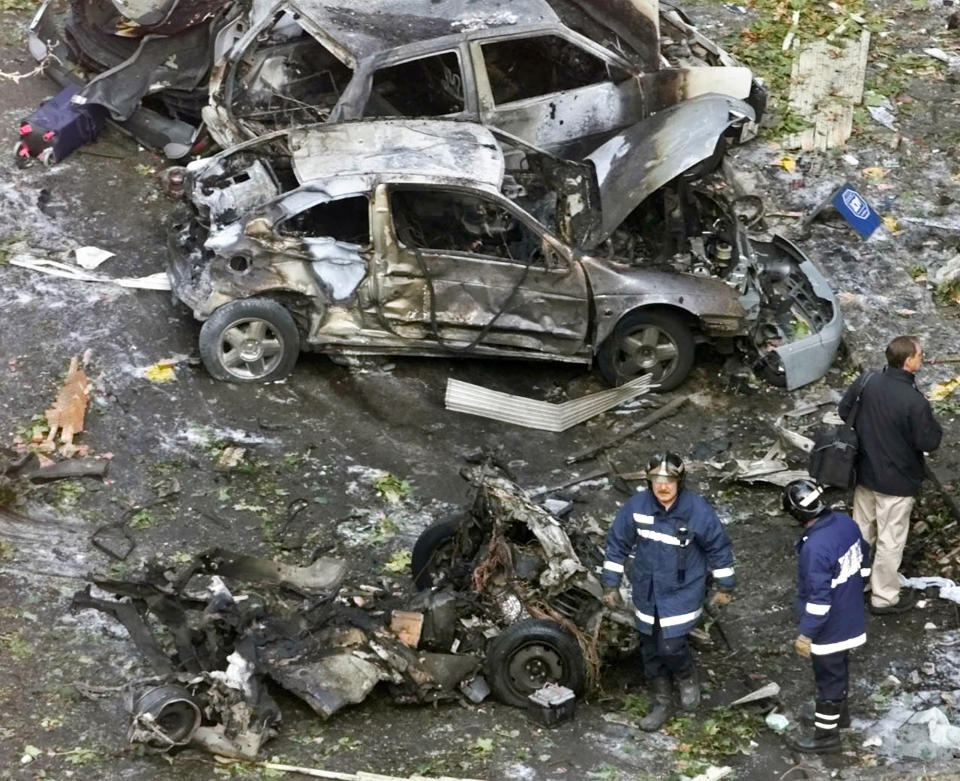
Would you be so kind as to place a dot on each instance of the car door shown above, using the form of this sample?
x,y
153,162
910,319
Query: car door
x,y
556,92
318,245
466,267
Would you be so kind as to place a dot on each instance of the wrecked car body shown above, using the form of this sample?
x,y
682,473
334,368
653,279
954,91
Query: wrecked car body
x,y
508,597
437,238
560,74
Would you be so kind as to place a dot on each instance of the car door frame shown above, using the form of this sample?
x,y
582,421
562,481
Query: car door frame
x,y
492,115
403,296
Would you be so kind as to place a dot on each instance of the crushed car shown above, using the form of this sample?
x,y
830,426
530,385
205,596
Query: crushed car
x,y
509,601
557,73
440,238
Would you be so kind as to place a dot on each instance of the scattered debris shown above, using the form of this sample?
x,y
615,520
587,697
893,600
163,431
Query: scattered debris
x,y
551,705
158,281
948,589
544,415
929,735
359,776
91,257
668,409
941,390
766,691
825,85
777,722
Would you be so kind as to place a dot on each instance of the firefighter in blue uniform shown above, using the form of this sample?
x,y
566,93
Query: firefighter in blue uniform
x,y
677,541
832,561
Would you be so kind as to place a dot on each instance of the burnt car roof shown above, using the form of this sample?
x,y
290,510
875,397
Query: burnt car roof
x,y
420,148
379,25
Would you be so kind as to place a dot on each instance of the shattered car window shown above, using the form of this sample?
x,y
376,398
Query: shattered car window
x,y
427,87
456,222
346,220
287,78
530,67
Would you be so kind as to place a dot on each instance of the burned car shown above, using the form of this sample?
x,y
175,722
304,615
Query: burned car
x,y
509,601
557,73
436,238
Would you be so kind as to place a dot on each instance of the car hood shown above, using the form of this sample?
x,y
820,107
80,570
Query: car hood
x,y
643,158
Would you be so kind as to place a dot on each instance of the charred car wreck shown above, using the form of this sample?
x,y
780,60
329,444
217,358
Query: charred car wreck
x,y
557,73
438,237
509,601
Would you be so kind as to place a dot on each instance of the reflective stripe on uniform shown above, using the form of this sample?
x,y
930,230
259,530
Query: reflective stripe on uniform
x,y
613,566
865,572
842,645
658,537
682,619
827,716
644,617
723,572
821,725
641,518
817,610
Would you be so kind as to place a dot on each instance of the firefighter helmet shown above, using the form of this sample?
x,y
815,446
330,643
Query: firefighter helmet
x,y
668,465
803,499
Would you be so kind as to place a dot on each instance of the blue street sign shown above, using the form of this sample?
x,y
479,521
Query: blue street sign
x,y
854,208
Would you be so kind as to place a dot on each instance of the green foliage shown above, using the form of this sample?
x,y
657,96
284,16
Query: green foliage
x,y
142,519
7,549
636,705
391,488
918,272
17,5
80,756
948,292
386,529
14,644
726,732
482,748
398,562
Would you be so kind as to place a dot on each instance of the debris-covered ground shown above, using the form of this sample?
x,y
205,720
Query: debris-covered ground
x,y
354,462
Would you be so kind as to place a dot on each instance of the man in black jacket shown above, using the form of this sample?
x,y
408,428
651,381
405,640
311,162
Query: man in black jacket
x,y
895,425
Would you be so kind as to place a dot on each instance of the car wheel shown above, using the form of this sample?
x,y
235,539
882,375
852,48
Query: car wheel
x,y
529,654
645,342
252,340
434,553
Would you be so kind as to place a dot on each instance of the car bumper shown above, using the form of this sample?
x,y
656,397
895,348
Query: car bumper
x,y
805,359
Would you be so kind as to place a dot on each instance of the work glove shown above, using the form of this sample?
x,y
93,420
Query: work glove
x,y
611,598
802,646
720,598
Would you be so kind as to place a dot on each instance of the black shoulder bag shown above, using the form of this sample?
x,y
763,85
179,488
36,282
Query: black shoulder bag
x,y
833,460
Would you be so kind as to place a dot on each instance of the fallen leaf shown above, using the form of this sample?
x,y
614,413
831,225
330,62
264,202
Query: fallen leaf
x,y
891,223
787,163
162,371
875,172
941,390
906,312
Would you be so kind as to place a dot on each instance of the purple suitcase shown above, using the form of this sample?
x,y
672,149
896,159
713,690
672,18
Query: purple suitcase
x,y
58,127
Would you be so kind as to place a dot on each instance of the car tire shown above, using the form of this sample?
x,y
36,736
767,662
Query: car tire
x,y
666,351
434,546
251,340
530,653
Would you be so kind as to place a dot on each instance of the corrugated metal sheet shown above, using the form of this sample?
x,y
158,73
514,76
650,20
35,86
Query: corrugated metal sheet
x,y
531,413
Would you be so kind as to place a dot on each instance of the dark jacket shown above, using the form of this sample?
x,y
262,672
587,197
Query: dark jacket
x,y
895,426
832,561
670,566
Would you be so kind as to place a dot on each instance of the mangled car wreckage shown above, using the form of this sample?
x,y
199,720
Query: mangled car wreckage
x,y
509,601
556,73
438,237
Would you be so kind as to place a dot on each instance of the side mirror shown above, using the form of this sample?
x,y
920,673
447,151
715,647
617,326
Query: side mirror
x,y
258,227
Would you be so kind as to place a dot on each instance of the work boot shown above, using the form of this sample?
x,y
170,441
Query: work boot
x,y
826,730
689,691
808,708
660,697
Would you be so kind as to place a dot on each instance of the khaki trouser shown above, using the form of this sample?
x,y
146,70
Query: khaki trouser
x,y
884,522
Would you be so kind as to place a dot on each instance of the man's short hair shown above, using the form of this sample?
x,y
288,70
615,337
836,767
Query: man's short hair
x,y
900,349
